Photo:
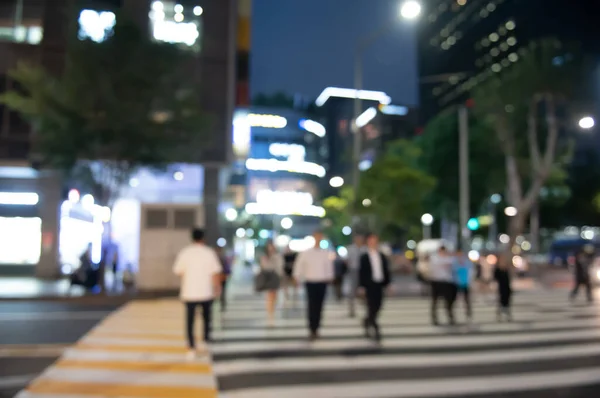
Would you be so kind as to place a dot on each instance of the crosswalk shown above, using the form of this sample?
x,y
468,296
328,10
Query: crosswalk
x,y
552,347
136,352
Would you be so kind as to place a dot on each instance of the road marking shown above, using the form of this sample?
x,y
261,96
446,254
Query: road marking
x,y
44,316
35,351
15,381
111,390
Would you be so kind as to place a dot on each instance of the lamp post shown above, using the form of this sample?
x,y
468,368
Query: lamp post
x,y
409,10
427,221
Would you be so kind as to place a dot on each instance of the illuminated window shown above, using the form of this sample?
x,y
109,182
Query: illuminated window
x,y
173,23
24,27
95,25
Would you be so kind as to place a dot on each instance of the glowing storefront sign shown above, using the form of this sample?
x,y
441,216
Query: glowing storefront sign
x,y
19,198
241,134
267,121
396,110
365,95
313,127
290,151
274,165
284,203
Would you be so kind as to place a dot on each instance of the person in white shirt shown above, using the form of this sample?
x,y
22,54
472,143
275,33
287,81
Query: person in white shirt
x,y
200,270
355,251
315,268
374,277
442,284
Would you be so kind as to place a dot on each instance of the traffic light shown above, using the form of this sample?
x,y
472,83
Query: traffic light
x,y
473,224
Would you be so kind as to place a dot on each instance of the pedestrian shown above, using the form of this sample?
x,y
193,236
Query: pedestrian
x,y
315,268
225,273
463,274
355,251
442,284
374,277
288,276
340,269
200,270
583,262
271,268
502,277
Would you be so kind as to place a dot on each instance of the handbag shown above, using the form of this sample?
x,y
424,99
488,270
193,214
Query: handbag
x,y
266,280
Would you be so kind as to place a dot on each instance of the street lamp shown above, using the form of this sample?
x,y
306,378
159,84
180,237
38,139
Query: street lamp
x,y
287,223
409,10
510,211
427,221
231,214
336,182
587,122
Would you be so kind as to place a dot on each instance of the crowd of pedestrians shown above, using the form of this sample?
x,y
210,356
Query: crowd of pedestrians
x,y
449,276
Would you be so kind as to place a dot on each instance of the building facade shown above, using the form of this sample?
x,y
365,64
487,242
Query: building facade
x,y
464,42
380,122
38,31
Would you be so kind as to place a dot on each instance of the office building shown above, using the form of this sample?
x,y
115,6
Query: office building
x,y
38,31
380,122
464,42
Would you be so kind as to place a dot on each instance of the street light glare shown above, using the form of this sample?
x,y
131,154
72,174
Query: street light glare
x,y
511,211
427,219
410,9
336,182
587,122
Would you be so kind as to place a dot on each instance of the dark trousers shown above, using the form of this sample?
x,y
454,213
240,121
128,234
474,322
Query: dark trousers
x,y
315,293
504,296
191,317
447,292
465,292
223,297
374,296
588,288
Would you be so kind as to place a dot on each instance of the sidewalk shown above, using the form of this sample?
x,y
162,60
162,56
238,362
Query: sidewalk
x,y
32,289
121,357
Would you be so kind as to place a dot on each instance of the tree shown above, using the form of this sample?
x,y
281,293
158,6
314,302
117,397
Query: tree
x,y
395,187
338,210
119,105
529,99
439,147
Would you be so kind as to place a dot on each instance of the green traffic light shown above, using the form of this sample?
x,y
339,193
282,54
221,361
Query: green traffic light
x,y
473,224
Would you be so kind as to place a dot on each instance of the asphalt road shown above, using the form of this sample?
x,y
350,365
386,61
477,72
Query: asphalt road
x,y
33,334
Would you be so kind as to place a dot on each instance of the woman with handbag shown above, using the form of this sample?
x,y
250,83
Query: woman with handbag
x,y
271,272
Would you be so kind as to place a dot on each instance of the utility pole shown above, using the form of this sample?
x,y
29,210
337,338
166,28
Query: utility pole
x,y
463,173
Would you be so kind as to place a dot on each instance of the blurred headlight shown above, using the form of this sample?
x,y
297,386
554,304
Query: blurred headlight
x,y
518,262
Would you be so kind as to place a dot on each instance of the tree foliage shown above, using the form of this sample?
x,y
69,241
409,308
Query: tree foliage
x,y
396,187
439,147
529,100
119,105
339,214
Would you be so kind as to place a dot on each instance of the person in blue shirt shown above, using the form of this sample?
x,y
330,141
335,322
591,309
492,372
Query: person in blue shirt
x,y
462,268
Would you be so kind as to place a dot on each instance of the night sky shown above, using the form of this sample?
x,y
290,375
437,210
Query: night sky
x,y
303,46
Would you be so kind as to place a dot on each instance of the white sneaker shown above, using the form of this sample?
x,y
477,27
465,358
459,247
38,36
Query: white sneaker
x,y
191,355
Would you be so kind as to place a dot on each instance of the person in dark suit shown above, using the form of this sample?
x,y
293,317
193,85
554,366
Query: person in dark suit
x,y
374,277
